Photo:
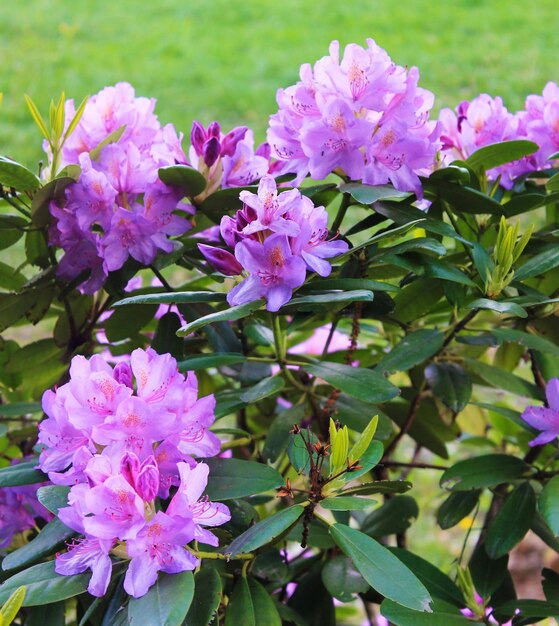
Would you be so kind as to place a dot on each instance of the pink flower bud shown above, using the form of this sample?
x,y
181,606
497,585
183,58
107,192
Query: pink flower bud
x,y
123,374
222,260
197,137
147,482
230,141
212,149
130,467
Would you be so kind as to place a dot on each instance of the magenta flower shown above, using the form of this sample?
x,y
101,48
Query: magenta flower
x,y
540,122
273,272
158,547
84,554
544,418
222,260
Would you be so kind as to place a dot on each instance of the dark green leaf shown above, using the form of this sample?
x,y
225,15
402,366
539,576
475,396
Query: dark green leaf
x,y
500,379
165,340
503,308
367,194
487,573
53,497
14,306
362,384
347,284
298,454
186,178
224,201
17,409
533,342
342,580
126,322
236,478
439,585
266,531
378,486
251,605
539,264
395,516
11,279
456,507
347,503
278,432
496,154
417,298
530,611
381,569
488,470
14,175
412,350
266,387
319,612
21,474
48,615
206,361
548,504
44,585
234,313
465,199
207,598
166,603
52,537
443,615
53,190
369,459
553,183
512,521
329,300
450,383
175,297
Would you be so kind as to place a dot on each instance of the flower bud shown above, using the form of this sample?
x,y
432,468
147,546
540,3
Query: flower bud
x,y
147,482
230,141
222,260
212,150
130,468
123,374
214,130
197,137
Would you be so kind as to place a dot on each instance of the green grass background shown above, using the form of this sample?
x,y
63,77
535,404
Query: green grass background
x,y
221,59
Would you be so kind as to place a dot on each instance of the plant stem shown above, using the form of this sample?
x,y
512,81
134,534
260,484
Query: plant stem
x,y
344,204
220,556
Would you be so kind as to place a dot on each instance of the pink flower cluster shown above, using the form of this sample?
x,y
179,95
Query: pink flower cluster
x,y
363,117
545,418
121,446
18,509
275,237
227,160
118,208
485,121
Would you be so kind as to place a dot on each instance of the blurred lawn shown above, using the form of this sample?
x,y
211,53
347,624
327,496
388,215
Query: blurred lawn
x,y
217,59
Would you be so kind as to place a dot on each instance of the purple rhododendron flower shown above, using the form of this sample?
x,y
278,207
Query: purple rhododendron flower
x,y
544,418
122,437
540,122
362,116
118,208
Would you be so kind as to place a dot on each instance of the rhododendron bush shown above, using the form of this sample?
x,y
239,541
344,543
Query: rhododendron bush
x,y
234,375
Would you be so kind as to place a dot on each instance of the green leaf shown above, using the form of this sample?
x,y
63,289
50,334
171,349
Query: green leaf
x,y
347,503
450,383
166,603
18,409
232,314
12,606
298,453
369,459
236,478
127,322
548,504
278,432
165,340
15,175
32,355
11,230
395,516
204,362
367,194
251,605
186,178
266,531
52,537
109,139
224,201
412,350
378,486
363,384
348,284
11,279
53,497
442,616
512,521
465,199
417,298
44,585
500,307
439,585
319,612
175,297
364,441
533,342
266,387
207,598
342,580
53,190
496,154
21,474
487,470
456,507
487,574
530,611
500,379
381,569
539,264
329,300
553,183
14,306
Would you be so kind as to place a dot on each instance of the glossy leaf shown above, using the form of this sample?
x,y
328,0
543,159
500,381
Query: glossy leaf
x,y
456,507
11,608
53,497
512,521
378,486
15,175
266,531
488,470
504,308
127,322
442,616
395,516
175,297
363,384
412,350
234,313
381,569
235,478
266,387
487,574
496,154
450,383
501,379
251,605
548,504
342,580
538,264
347,503
166,603
186,178
207,598
21,474
368,194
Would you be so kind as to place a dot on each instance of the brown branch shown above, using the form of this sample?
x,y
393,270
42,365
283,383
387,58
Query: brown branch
x,y
414,408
